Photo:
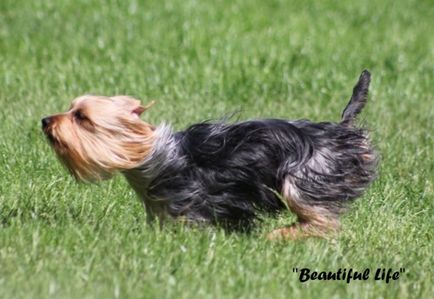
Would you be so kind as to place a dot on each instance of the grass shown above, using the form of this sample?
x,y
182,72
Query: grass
x,y
200,60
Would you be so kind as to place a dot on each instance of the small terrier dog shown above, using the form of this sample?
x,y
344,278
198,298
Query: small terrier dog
x,y
220,173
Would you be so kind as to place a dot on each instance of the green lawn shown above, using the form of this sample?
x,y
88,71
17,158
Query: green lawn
x,y
201,60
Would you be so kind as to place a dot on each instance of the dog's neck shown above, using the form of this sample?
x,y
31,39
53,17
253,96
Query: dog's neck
x,y
163,154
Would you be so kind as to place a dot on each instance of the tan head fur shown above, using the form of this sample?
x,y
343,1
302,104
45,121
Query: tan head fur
x,y
100,135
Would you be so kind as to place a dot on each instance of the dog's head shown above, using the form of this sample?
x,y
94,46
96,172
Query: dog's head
x,y
100,135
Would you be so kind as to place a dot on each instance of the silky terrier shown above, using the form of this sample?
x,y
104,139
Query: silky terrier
x,y
222,173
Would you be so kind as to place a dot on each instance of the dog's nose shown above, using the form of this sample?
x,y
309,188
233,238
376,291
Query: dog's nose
x,y
45,122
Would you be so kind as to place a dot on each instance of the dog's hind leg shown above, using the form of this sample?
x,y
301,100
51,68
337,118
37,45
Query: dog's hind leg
x,y
313,220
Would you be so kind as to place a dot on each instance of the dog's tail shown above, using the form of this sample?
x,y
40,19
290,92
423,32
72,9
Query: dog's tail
x,y
358,99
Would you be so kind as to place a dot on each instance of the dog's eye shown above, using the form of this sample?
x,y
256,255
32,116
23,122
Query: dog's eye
x,y
79,115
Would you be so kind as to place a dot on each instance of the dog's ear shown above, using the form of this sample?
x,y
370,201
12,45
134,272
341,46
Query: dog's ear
x,y
132,104
139,110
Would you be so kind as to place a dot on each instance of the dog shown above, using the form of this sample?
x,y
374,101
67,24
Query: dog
x,y
226,174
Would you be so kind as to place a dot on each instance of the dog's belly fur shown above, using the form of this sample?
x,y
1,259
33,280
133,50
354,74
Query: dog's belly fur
x,y
227,173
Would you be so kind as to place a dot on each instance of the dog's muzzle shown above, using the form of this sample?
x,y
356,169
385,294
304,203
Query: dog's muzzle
x,y
46,121
46,128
